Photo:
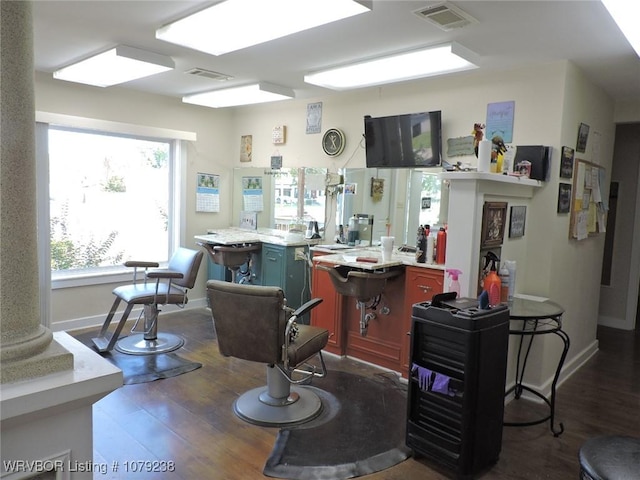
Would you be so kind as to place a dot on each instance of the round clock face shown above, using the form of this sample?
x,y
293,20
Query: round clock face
x,y
333,142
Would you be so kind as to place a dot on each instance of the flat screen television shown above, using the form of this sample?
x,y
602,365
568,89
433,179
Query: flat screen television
x,y
404,141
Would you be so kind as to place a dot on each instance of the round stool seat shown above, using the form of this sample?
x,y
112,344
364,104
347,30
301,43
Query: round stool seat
x,y
610,457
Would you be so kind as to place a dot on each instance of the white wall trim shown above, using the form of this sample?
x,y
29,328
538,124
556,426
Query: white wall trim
x,y
113,127
98,320
613,322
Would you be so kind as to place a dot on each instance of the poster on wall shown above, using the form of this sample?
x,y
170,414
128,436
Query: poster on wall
x,y
207,192
500,121
246,148
314,117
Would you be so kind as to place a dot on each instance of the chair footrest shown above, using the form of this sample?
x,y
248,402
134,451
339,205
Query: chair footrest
x,y
101,343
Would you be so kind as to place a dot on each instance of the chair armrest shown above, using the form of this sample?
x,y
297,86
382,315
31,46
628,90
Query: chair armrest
x,y
138,264
164,274
303,309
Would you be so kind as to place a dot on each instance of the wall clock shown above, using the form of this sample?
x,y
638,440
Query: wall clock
x,y
333,142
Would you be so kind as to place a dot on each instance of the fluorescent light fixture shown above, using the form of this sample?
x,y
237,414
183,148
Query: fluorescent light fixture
x,y
117,65
235,24
246,95
626,14
425,62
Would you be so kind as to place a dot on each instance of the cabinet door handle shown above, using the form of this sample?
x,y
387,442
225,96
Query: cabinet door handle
x,y
426,288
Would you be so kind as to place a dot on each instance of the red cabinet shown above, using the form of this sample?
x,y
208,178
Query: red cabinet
x,y
329,313
386,342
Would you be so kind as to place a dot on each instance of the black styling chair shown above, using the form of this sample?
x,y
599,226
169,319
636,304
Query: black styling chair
x,y
254,323
160,287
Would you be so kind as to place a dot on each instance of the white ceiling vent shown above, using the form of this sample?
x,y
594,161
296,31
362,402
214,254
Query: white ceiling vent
x,y
445,16
201,72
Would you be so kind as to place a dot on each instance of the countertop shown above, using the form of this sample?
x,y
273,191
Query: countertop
x,y
348,257
337,254
236,236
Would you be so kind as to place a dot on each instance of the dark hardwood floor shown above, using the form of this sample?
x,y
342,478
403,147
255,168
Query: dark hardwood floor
x,y
189,420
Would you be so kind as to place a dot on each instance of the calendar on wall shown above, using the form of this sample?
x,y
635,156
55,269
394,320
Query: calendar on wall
x,y
207,192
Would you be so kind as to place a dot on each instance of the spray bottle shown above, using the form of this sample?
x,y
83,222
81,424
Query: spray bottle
x,y
492,284
454,285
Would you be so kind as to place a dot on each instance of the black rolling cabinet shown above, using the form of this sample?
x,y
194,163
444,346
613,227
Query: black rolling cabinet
x,y
459,427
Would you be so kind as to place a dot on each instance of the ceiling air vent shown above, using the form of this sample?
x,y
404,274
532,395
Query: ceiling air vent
x,y
201,72
445,16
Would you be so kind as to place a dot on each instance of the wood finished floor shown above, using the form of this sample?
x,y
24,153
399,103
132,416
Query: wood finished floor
x,y
189,420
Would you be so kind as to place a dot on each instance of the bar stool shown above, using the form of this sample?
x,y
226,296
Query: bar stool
x,y
610,457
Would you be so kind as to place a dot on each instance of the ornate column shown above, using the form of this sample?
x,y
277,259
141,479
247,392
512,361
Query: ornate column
x,y
27,349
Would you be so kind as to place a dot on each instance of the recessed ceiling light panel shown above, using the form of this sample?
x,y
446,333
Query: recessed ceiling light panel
x,y
117,65
245,95
425,62
235,24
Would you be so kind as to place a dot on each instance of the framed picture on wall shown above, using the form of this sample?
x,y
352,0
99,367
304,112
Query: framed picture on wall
x,y
494,217
583,136
564,197
516,221
566,162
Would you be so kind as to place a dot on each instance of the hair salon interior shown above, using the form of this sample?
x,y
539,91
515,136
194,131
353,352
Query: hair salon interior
x,y
550,74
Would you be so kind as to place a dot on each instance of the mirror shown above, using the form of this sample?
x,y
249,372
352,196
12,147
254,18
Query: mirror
x,y
398,199
283,198
419,196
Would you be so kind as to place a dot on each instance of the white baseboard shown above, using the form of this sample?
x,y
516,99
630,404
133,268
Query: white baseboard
x,y
98,320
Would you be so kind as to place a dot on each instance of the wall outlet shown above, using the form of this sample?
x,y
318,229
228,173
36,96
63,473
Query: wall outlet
x,y
299,254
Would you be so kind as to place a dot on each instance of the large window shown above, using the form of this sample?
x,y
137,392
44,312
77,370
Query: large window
x,y
111,200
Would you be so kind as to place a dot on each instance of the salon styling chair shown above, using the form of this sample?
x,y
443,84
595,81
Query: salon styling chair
x,y
158,287
253,322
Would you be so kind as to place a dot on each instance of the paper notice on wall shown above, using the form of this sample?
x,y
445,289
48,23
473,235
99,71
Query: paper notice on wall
x,y
582,218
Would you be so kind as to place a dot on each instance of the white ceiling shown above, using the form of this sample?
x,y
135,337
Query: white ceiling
x,y
509,34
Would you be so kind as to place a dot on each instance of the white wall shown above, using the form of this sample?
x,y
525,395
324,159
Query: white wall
x,y
551,101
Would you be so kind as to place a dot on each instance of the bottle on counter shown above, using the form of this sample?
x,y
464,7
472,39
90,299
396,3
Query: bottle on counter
x,y
353,234
492,284
503,273
441,246
430,249
454,284
421,245
511,267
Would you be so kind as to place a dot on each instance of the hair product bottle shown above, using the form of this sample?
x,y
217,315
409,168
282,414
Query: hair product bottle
x,y
441,246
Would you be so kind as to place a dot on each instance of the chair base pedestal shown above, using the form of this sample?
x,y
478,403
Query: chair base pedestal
x,y
138,345
292,411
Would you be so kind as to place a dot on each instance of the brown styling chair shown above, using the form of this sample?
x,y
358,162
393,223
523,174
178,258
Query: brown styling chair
x,y
160,287
254,323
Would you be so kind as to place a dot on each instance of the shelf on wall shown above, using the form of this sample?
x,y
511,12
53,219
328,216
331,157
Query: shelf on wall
x,y
495,183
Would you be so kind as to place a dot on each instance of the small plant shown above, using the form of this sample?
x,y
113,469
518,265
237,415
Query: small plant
x,y
66,254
